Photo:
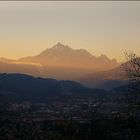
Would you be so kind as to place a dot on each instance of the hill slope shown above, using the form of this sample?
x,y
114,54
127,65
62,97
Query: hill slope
x,y
106,79
24,87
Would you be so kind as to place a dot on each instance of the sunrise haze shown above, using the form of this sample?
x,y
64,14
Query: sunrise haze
x,y
28,28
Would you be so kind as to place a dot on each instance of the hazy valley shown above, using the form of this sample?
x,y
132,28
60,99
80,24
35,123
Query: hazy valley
x,y
64,63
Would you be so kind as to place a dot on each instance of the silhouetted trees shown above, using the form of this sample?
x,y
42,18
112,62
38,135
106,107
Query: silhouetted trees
x,y
132,69
132,66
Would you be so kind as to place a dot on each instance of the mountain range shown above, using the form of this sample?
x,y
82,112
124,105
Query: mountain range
x,y
63,56
64,63
17,87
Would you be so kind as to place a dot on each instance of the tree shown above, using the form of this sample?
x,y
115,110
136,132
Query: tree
x,y
132,66
132,69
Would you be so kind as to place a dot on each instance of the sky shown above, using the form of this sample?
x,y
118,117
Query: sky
x,y
101,27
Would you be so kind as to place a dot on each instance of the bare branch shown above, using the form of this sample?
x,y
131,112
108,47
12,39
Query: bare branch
x,y
132,66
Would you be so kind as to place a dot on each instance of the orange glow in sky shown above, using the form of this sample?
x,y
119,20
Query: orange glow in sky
x,y
27,28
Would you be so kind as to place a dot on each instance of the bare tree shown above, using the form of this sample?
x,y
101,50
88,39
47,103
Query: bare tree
x,y
132,66
132,69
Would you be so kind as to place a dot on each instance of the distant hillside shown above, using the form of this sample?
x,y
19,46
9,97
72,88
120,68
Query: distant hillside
x,y
130,88
24,87
127,93
106,79
111,84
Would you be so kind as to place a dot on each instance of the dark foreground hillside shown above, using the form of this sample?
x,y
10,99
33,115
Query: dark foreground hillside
x,y
47,109
107,129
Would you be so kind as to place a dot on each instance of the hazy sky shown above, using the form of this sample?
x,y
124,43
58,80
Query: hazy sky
x,y
27,28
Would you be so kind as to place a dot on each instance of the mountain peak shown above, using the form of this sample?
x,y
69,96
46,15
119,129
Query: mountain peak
x,y
60,46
